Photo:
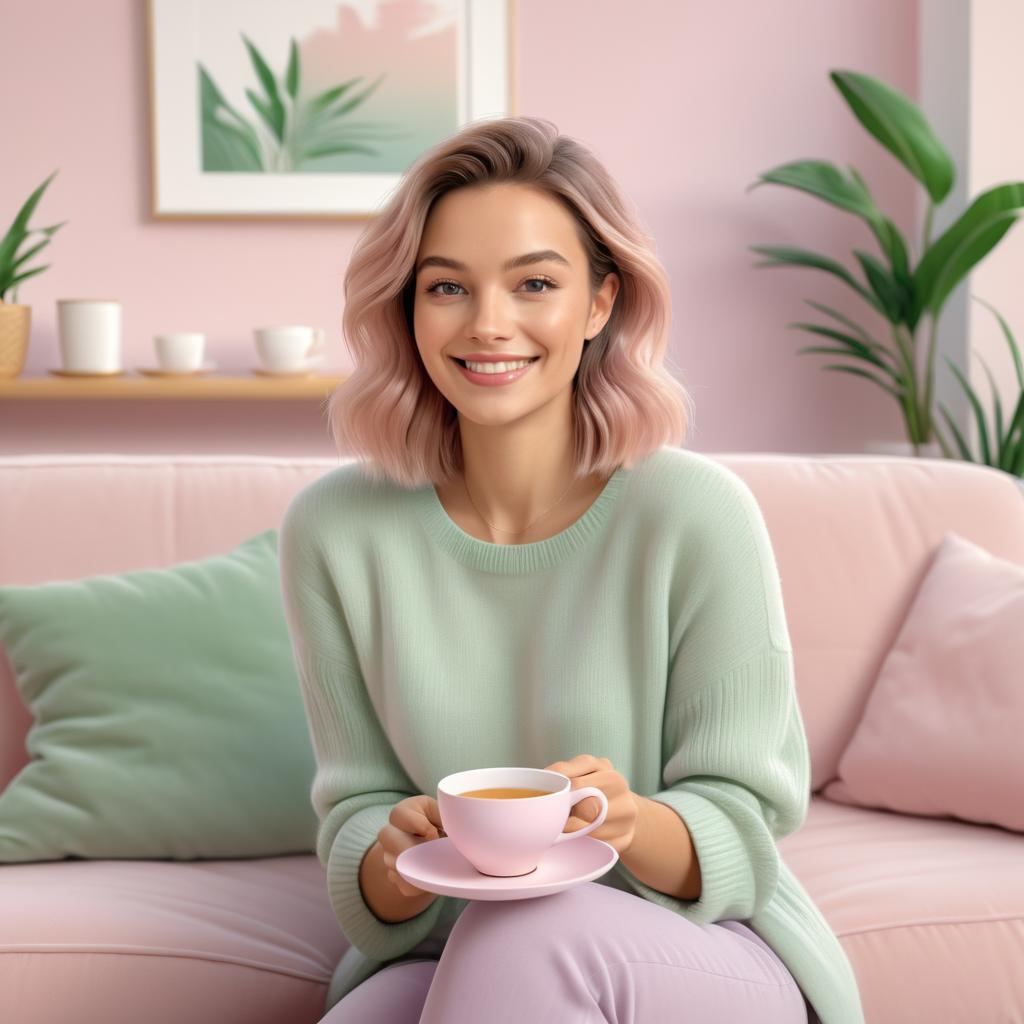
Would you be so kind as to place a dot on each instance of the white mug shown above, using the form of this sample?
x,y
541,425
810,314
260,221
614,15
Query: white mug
x,y
290,347
90,334
180,350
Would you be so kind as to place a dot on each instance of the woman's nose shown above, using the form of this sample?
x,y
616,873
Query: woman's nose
x,y
490,313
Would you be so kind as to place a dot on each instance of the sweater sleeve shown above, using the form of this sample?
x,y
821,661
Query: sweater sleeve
x,y
736,764
358,777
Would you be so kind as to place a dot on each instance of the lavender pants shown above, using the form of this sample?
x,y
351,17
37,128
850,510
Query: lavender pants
x,y
588,954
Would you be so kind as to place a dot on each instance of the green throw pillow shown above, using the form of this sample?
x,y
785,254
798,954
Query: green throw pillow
x,y
168,717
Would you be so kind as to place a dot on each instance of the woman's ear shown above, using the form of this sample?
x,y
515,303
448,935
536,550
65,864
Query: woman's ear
x,y
602,303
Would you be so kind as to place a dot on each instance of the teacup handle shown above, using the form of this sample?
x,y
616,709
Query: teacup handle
x,y
317,349
578,796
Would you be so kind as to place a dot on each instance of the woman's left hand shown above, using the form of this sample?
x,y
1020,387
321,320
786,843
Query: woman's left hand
x,y
619,827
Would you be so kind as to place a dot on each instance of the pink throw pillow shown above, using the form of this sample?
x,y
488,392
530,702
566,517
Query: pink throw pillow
x,y
943,731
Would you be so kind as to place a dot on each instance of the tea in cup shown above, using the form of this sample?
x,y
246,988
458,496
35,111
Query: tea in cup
x,y
290,347
180,351
503,820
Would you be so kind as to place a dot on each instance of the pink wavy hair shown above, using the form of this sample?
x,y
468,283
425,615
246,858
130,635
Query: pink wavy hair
x,y
390,414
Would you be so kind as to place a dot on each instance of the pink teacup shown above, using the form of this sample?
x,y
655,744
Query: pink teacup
x,y
508,836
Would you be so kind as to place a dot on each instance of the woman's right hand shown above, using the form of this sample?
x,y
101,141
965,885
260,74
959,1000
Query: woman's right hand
x,y
412,822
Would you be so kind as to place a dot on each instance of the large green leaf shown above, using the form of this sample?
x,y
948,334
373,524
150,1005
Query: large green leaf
x,y
355,100
49,231
230,143
325,132
275,115
825,181
293,75
855,327
979,414
264,110
30,273
961,441
226,148
328,96
1010,341
12,240
891,295
888,235
854,346
997,432
964,243
1013,461
29,253
8,270
785,255
348,131
215,105
865,373
332,149
898,124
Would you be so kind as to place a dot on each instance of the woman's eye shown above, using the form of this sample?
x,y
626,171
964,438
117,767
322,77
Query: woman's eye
x,y
549,284
541,280
440,284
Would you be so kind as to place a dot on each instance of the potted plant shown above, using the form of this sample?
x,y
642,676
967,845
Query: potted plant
x,y
15,319
901,289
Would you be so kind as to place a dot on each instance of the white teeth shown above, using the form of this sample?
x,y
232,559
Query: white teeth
x,y
497,367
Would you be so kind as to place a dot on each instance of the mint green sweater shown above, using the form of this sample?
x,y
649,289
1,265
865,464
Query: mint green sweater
x,y
651,632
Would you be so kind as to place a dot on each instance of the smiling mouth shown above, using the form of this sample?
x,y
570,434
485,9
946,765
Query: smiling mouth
x,y
462,362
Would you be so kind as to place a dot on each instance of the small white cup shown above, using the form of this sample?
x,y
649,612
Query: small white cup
x,y
508,837
180,350
90,334
290,347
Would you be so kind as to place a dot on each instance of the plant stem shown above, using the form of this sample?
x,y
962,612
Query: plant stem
x,y
922,418
926,412
943,443
291,129
925,240
910,393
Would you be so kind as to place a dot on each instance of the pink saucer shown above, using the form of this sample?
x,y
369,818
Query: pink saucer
x,y
438,867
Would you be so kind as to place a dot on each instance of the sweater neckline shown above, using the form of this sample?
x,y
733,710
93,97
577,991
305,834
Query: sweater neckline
x,y
517,558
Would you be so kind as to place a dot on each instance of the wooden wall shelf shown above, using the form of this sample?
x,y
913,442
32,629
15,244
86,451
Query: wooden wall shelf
x,y
139,386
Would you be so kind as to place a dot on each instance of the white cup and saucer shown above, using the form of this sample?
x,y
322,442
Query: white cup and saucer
x,y
180,354
289,350
500,845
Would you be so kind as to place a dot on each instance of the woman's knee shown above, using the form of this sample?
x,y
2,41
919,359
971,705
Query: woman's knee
x,y
394,994
553,918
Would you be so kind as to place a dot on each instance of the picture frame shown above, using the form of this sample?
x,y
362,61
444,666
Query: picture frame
x,y
313,109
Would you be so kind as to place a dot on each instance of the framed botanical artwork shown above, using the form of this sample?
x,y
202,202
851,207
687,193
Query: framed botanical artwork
x,y
313,108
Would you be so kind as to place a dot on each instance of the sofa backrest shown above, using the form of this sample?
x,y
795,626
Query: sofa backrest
x,y
853,536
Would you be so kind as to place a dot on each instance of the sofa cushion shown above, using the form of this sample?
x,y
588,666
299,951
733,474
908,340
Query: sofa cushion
x,y
930,912
168,720
167,941
941,732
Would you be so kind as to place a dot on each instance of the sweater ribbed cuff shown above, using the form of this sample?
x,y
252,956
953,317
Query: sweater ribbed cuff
x,y
375,938
728,885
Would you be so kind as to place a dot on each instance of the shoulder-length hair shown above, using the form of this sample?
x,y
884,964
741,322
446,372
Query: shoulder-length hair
x,y
390,414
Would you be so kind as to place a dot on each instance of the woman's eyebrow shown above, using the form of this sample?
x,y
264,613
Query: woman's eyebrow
x,y
541,256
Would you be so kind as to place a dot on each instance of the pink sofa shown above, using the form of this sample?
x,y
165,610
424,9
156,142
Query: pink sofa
x,y
930,912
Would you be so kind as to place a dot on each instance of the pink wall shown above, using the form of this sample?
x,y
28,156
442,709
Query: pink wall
x,y
685,101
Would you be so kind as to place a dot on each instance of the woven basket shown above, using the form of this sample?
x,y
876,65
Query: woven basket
x,y
14,330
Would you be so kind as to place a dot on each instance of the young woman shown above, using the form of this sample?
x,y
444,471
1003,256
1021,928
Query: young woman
x,y
523,568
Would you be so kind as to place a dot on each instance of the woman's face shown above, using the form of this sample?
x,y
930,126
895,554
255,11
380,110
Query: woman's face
x,y
471,301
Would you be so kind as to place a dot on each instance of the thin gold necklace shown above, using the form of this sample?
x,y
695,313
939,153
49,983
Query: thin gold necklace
x,y
510,532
